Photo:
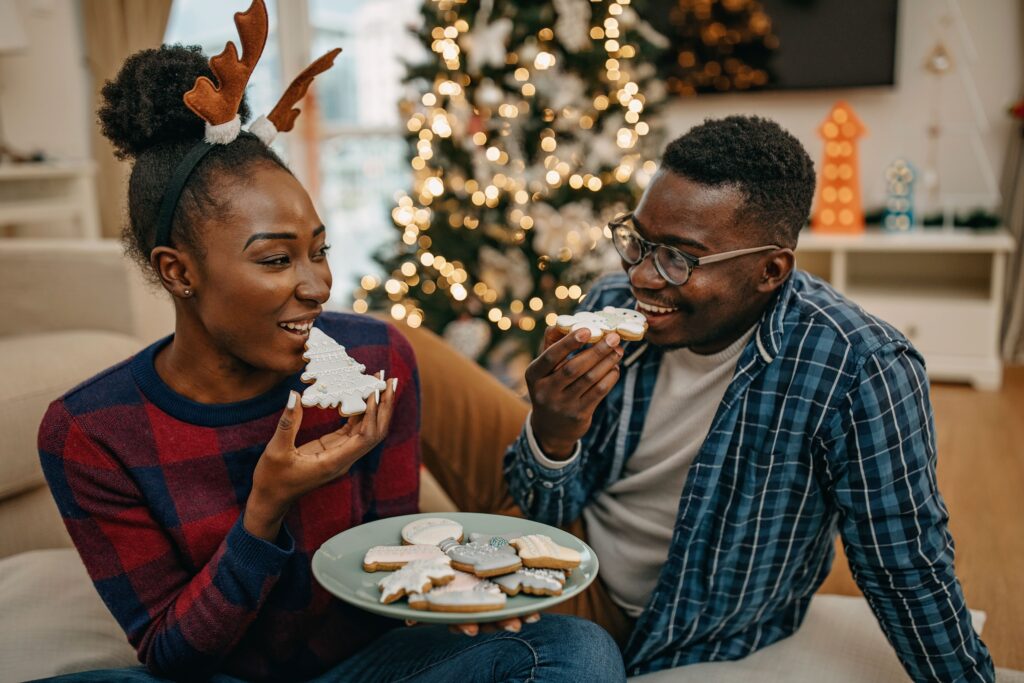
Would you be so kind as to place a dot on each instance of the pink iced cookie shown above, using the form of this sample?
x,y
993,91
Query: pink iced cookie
x,y
540,552
466,593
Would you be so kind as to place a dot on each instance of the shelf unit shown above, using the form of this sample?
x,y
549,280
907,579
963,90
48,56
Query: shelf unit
x,y
942,288
49,193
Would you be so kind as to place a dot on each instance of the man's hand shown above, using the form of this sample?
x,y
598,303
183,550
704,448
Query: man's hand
x,y
513,625
285,472
565,391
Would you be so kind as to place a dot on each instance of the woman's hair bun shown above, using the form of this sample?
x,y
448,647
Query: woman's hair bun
x,y
143,106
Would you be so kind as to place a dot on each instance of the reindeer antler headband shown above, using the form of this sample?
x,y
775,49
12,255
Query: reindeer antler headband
x,y
217,104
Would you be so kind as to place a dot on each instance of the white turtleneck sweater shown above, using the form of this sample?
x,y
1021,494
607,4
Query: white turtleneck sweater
x,y
630,523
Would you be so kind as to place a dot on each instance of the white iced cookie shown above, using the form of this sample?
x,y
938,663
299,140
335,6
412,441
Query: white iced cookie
x,y
431,531
385,558
482,559
629,324
418,576
336,378
532,581
540,552
466,593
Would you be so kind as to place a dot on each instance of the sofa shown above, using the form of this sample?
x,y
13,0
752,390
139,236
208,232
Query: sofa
x,y
72,308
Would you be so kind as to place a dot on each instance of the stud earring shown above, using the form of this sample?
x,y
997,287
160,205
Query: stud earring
x,y
187,292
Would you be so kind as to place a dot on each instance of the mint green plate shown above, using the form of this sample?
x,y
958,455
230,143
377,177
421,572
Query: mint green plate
x,y
338,566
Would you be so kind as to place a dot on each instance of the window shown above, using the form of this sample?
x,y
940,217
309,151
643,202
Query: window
x,y
352,155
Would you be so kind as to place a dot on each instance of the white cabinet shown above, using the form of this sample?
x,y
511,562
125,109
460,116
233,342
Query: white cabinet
x,y
49,193
942,288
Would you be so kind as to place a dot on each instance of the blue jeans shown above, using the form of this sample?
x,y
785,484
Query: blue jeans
x,y
556,648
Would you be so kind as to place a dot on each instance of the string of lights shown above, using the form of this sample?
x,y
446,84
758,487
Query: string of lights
x,y
528,131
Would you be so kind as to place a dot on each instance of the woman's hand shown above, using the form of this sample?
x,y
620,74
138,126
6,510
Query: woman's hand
x,y
285,472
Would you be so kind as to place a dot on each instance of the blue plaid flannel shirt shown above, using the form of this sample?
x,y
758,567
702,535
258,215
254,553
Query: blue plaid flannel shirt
x,y
826,426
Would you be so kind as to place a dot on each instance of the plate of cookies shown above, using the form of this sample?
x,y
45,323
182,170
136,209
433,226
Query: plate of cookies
x,y
462,567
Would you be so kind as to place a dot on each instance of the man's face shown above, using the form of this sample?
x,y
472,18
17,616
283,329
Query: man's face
x,y
720,301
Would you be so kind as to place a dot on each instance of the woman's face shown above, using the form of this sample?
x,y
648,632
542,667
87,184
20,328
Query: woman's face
x,y
264,277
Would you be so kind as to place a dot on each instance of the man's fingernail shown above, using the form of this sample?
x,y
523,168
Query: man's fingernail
x,y
581,336
532,619
512,628
293,398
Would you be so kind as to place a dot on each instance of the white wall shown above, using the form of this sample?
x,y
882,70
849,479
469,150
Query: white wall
x,y
897,117
44,91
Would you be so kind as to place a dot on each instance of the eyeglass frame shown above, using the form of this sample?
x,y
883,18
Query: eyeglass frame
x,y
648,247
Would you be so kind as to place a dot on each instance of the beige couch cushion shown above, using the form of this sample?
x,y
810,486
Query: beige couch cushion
x,y
53,620
37,369
59,284
839,642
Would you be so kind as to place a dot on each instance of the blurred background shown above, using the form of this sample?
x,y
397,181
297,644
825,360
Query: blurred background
x,y
466,156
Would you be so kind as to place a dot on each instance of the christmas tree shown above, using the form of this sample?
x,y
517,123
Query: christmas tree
x,y
527,133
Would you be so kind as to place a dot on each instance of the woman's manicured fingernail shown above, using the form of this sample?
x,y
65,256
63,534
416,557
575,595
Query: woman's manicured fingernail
x,y
394,385
612,339
293,398
581,336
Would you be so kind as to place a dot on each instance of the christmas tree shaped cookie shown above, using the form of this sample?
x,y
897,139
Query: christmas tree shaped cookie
x,y
336,377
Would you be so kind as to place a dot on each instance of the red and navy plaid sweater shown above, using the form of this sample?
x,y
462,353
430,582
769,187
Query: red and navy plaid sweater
x,y
152,486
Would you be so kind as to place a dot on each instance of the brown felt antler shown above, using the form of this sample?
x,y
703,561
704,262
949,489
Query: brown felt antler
x,y
218,104
284,113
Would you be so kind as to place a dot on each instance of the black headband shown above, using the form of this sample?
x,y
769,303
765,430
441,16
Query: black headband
x,y
173,192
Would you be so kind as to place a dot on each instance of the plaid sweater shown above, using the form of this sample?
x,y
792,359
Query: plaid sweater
x,y
826,426
152,487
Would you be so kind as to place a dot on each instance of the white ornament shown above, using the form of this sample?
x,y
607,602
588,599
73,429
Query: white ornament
x,y
572,28
485,44
337,378
469,337
488,94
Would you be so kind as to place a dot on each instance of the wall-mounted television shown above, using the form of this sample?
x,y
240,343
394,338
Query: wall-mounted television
x,y
729,45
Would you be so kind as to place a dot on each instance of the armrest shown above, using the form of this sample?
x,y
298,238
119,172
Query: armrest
x,y
52,285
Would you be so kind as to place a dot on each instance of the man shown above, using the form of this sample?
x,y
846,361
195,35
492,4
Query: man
x,y
714,462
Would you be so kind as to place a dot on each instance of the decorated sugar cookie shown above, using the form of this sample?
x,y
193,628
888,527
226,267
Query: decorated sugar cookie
x,y
629,324
540,552
431,531
385,558
337,379
532,581
418,576
482,559
466,593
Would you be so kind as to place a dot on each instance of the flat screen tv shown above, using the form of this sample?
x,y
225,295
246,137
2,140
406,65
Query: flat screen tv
x,y
729,45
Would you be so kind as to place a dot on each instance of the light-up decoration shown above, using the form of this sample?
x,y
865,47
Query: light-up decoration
x,y
899,201
838,207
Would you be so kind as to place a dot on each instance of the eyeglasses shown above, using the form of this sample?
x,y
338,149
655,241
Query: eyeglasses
x,y
674,266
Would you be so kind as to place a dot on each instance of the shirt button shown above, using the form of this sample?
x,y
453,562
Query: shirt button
x,y
548,485
529,474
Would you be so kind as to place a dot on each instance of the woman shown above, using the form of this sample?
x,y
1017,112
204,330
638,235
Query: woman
x,y
193,484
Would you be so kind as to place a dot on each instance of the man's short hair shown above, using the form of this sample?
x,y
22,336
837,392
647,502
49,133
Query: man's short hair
x,y
759,158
